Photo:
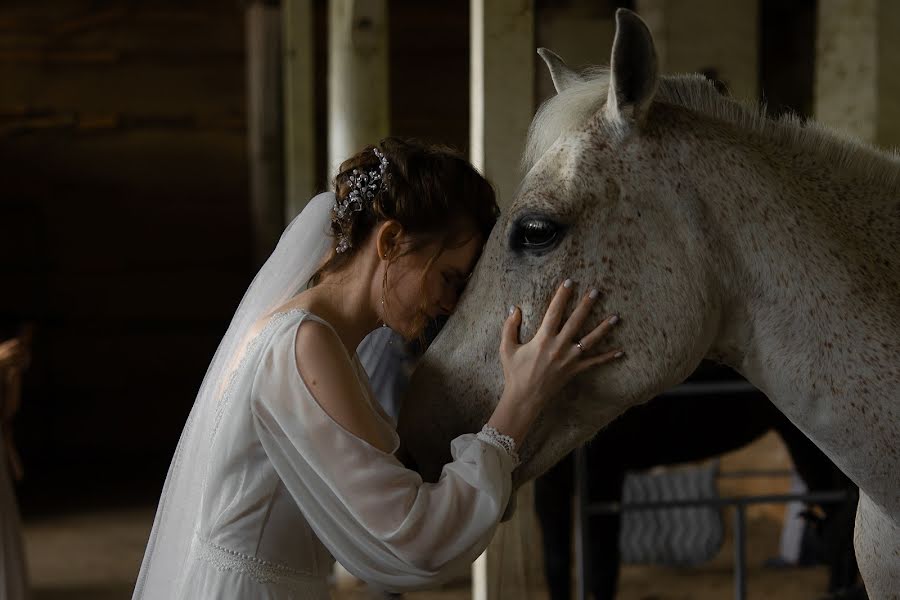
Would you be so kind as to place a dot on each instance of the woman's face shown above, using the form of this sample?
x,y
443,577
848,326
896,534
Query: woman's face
x,y
413,296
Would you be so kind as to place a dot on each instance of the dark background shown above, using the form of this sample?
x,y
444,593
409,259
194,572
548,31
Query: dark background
x,y
125,234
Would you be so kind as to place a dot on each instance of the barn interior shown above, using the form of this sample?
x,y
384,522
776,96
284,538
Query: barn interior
x,y
151,152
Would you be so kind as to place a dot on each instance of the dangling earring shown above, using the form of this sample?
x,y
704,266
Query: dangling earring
x,y
383,313
383,284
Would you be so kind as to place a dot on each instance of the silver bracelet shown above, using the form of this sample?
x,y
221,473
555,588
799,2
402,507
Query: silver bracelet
x,y
493,437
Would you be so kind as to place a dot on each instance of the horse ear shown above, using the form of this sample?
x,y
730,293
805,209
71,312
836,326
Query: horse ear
x,y
634,71
562,75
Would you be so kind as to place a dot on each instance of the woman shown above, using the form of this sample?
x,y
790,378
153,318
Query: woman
x,y
286,460
14,357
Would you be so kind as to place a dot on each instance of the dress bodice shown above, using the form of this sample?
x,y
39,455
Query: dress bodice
x,y
287,488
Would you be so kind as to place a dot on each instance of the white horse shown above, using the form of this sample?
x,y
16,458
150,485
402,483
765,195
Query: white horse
x,y
771,246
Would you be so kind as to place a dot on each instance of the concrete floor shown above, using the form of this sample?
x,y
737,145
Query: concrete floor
x,y
95,555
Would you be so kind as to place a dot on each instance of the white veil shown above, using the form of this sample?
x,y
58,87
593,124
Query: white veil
x,y
300,251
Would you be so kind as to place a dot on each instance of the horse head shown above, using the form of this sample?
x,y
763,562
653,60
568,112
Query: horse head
x,y
607,201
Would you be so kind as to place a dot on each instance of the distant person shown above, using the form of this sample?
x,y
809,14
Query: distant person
x,y
13,572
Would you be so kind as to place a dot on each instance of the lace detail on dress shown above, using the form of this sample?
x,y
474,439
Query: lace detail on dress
x,y
262,571
504,442
248,352
228,390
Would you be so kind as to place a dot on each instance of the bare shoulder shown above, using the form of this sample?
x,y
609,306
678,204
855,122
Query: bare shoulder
x,y
330,376
321,358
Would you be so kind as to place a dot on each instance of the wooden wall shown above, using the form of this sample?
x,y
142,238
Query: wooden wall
x,y
124,230
124,213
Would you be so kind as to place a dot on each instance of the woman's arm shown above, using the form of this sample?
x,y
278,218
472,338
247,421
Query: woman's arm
x,y
324,365
375,516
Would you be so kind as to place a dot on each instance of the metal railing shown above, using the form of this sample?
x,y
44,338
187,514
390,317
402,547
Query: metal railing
x,y
584,509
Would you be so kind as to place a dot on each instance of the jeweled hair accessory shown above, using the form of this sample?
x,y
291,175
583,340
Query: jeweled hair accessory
x,y
364,188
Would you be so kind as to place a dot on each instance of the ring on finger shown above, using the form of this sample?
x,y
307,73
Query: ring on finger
x,y
580,346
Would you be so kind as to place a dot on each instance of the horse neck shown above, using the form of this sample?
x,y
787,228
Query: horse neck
x,y
812,295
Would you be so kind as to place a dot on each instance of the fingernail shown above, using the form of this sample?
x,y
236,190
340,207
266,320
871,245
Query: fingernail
x,y
619,354
593,295
512,309
614,319
567,283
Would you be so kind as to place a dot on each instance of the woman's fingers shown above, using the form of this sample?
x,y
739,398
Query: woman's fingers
x,y
572,327
510,337
599,332
601,359
553,316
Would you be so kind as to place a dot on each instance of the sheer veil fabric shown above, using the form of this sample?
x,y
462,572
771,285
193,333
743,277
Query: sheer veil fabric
x,y
302,247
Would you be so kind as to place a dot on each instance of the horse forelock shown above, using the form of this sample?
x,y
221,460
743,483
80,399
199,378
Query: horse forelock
x,y
570,110
563,113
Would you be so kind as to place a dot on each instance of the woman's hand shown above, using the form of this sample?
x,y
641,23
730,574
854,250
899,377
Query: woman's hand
x,y
537,370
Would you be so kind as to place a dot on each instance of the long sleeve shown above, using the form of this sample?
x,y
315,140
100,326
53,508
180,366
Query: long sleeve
x,y
375,516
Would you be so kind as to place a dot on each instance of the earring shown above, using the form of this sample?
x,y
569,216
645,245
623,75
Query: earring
x,y
383,324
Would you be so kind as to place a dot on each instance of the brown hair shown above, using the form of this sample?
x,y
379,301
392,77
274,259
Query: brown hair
x,y
432,191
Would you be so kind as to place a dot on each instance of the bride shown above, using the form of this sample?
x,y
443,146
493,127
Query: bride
x,y
286,461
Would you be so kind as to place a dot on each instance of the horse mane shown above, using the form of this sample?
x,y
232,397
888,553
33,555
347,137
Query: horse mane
x,y
569,110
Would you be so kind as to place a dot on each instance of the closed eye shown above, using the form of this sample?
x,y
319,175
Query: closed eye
x,y
456,280
536,234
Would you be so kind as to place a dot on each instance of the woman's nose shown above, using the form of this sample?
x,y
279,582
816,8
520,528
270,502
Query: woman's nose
x,y
453,300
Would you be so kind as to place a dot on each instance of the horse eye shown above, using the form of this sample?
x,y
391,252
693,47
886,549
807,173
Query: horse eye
x,y
535,234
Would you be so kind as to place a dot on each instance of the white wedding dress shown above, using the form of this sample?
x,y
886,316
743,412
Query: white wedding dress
x,y
265,488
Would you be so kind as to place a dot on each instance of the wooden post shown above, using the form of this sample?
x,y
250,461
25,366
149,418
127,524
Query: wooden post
x,y
502,106
358,111
299,105
512,565
502,89
857,59
264,125
720,38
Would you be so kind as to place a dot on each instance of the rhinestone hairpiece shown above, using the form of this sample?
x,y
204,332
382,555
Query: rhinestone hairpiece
x,y
364,188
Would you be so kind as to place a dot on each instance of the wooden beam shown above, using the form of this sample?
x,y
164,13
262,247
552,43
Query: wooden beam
x,y
358,101
501,108
502,89
512,565
264,126
358,109
299,105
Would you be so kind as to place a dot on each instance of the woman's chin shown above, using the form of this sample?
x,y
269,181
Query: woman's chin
x,y
418,329
406,331
415,329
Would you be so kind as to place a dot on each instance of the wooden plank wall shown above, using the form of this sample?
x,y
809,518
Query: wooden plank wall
x,y
124,212
124,231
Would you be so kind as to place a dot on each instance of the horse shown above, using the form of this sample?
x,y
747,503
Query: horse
x,y
768,245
